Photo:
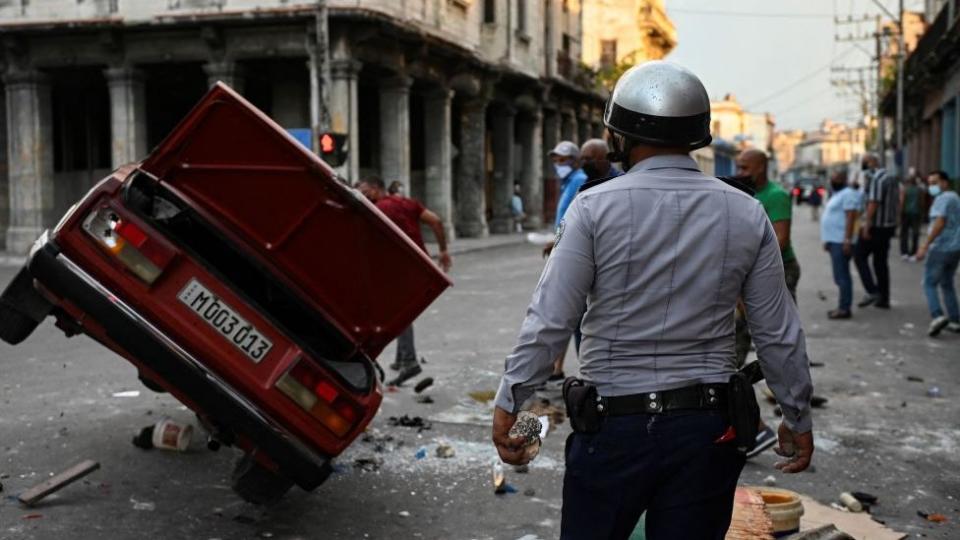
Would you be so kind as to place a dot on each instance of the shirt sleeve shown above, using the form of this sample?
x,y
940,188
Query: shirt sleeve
x,y
780,207
851,201
558,303
939,207
775,326
875,193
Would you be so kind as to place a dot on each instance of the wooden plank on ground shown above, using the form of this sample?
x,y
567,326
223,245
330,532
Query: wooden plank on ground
x,y
58,482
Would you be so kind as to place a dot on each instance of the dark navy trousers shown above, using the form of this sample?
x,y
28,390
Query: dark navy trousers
x,y
669,466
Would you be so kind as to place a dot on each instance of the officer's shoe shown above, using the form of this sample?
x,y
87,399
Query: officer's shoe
x,y
868,300
937,325
765,439
406,374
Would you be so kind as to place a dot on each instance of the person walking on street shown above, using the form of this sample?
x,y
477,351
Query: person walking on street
x,y
407,214
752,165
837,234
566,164
595,162
516,208
659,255
878,226
815,200
909,217
942,252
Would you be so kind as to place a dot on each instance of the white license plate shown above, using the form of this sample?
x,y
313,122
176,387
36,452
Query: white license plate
x,y
225,320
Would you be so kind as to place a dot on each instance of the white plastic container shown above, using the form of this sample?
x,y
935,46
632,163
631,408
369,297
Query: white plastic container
x,y
170,435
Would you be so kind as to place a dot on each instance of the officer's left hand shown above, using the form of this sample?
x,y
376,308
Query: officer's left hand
x,y
511,450
796,447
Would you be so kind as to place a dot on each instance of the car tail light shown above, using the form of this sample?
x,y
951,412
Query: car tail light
x,y
821,191
130,244
310,388
796,191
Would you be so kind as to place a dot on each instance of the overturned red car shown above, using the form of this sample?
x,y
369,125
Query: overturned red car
x,y
236,272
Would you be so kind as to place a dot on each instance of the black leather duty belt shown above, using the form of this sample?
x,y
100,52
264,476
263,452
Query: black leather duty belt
x,y
701,396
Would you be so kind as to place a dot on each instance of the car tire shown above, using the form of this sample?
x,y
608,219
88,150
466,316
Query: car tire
x,y
256,484
14,325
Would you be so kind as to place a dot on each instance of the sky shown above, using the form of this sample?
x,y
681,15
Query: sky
x,y
776,55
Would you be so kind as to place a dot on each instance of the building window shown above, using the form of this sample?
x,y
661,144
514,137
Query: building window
x,y
608,53
489,11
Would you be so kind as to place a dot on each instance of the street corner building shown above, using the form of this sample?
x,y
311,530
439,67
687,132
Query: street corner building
x,y
456,99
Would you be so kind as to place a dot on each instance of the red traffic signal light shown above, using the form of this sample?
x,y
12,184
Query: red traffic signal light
x,y
333,148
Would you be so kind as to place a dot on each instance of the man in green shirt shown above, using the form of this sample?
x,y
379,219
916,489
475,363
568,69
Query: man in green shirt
x,y
778,205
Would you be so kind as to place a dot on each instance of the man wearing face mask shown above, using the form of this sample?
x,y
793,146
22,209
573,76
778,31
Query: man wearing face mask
x,y
659,256
594,161
942,251
879,223
837,234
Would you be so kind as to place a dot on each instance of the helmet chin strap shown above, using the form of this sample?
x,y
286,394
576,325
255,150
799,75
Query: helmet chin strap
x,y
620,153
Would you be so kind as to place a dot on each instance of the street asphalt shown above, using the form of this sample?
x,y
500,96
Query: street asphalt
x,y
65,400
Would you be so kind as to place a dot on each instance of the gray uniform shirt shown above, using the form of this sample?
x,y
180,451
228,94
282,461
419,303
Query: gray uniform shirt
x,y
659,257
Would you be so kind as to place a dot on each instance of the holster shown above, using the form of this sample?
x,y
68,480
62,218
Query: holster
x,y
743,409
581,399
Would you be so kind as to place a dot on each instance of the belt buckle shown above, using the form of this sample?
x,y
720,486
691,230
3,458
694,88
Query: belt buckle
x,y
653,402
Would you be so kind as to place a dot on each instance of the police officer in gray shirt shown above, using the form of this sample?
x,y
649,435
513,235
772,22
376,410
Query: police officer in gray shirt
x,y
659,256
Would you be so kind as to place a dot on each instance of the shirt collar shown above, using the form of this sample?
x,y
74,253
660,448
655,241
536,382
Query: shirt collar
x,y
672,161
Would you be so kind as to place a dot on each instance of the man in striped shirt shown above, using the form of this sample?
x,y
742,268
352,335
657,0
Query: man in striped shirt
x,y
883,198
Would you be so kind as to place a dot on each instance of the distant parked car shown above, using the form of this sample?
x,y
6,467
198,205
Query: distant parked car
x,y
235,272
804,187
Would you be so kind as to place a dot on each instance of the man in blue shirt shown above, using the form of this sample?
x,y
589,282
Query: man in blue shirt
x,y
836,233
566,163
942,251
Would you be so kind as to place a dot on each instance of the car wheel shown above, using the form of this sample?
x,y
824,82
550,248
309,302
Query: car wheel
x,y
256,484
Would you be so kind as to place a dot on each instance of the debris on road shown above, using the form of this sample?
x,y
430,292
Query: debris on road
x,y
499,480
914,378
521,469
933,517
423,385
556,414
934,392
127,393
403,513
367,464
421,453
143,505
144,439
530,492
827,532
423,399
445,451
821,296
817,364
770,481
483,396
32,516
851,502
406,421
58,482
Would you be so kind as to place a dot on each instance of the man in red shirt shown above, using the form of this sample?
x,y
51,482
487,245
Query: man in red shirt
x,y
407,214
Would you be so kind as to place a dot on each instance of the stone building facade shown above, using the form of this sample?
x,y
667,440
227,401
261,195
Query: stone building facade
x,y
745,129
631,31
457,99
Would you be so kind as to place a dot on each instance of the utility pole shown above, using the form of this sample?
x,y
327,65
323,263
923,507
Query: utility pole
x,y
881,136
318,46
901,57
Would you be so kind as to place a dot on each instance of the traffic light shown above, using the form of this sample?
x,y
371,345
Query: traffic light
x,y
333,148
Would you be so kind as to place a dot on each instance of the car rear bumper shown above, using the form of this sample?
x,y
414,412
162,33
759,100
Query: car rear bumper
x,y
161,354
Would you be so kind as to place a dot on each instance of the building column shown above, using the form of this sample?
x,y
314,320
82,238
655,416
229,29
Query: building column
x,y
568,127
439,155
227,72
344,113
503,120
583,130
531,177
551,136
30,158
597,129
471,199
395,130
128,115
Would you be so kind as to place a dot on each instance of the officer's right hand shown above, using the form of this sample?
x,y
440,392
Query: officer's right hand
x,y
796,447
511,450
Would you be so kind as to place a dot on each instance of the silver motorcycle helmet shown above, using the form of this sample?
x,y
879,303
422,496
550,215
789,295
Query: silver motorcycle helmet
x,y
661,104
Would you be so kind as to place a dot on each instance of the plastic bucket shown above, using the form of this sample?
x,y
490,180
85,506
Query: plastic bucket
x,y
784,508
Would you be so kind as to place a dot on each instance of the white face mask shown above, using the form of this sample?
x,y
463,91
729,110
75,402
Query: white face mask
x,y
562,170
934,190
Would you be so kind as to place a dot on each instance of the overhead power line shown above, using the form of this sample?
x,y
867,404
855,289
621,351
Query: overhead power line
x,y
753,14
795,84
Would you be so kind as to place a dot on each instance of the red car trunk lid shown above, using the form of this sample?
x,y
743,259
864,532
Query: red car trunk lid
x,y
247,175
